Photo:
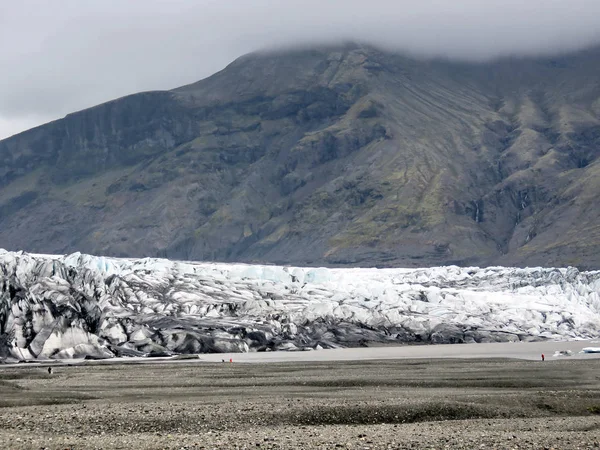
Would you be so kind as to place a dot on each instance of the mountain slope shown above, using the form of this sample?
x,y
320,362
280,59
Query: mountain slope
x,y
339,156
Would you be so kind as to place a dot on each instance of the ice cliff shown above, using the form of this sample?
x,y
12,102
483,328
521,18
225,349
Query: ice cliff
x,y
87,306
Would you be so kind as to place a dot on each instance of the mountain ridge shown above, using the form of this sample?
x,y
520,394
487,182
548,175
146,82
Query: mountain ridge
x,y
339,156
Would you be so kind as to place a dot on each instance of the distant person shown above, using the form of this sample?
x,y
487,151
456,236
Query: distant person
x,y
543,357
49,370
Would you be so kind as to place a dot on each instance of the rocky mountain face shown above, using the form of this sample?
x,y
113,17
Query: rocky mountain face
x,y
84,306
341,156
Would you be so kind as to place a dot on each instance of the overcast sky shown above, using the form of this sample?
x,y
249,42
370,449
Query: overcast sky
x,y
59,56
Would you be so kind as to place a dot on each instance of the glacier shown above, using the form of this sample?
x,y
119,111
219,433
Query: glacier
x,y
84,306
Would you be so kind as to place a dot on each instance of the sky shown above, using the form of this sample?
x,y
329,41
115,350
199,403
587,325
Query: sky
x,y
61,56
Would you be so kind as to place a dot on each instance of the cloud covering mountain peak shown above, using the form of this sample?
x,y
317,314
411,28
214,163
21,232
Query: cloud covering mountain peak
x,y
61,59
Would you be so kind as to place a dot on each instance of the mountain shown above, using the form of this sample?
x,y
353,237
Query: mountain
x,y
339,156
81,305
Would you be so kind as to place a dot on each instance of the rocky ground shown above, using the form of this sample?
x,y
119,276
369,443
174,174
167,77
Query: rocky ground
x,y
470,404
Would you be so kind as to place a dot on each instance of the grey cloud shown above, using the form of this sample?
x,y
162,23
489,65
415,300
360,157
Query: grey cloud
x,y
61,56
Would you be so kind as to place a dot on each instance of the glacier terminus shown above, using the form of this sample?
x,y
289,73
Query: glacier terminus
x,y
78,305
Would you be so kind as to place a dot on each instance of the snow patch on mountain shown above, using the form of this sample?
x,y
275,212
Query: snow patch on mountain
x,y
81,305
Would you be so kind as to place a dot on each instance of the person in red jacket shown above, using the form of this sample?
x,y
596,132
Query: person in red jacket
x,y
543,357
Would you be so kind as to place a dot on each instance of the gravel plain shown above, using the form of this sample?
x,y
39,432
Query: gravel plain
x,y
374,404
